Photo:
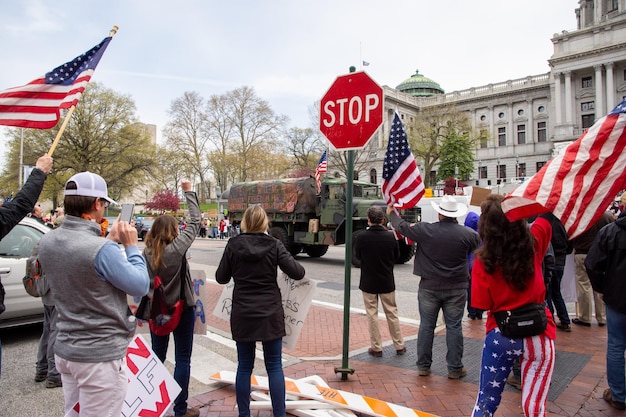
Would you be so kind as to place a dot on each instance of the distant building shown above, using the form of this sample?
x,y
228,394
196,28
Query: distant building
x,y
529,120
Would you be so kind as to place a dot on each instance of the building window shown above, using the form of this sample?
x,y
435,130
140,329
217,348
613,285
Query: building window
x,y
520,112
587,120
625,75
588,106
482,172
521,134
541,109
542,134
501,115
521,170
540,165
612,6
483,118
587,82
484,138
502,136
501,171
373,176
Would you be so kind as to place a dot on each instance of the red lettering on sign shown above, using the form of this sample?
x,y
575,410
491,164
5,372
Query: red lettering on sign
x,y
160,405
141,350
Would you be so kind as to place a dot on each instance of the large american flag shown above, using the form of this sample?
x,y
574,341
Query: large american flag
x,y
579,185
322,166
38,103
402,183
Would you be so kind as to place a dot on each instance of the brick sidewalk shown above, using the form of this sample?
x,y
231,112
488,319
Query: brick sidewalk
x,y
394,378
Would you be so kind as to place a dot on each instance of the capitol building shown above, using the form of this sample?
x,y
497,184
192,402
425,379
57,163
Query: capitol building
x,y
527,121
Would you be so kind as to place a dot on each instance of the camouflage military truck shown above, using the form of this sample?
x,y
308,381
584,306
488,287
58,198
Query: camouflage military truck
x,y
305,221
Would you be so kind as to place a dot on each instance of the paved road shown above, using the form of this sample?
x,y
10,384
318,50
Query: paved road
x,y
22,396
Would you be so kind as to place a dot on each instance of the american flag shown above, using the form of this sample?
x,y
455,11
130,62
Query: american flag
x,y
402,183
579,185
38,103
322,166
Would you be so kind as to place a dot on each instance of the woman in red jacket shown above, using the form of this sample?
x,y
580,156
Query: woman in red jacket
x,y
507,274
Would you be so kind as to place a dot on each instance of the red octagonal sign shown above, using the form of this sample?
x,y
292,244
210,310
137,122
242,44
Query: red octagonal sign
x,y
351,111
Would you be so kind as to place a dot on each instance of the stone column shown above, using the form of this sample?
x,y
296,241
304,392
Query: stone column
x,y
530,128
568,97
610,87
599,96
557,99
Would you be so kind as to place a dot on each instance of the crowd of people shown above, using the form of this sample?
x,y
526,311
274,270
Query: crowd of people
x,y
488,264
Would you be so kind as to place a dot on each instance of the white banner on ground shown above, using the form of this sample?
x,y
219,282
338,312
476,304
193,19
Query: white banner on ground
x,y
151,388
296,296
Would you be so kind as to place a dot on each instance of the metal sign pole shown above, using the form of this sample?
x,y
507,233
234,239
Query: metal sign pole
x,y
345,368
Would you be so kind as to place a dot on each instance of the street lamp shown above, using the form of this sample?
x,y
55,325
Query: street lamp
x,y
498,174
480,168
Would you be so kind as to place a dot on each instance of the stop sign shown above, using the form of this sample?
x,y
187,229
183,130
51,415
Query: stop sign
x,y
351,111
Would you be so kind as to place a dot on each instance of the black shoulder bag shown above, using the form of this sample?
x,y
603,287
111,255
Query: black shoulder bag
x,y
525,321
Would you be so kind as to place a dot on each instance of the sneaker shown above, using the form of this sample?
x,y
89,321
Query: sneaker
x,y
564,327
40,377
608,397
601,324
401,351
191,412
53,384
423,371
376,353
514,381
457,374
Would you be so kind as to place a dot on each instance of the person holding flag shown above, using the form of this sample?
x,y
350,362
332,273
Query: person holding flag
x,y
441,257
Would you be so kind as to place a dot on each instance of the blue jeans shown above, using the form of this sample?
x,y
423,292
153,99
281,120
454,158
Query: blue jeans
x,y
452,302
272,353
554,296
616,345
183,343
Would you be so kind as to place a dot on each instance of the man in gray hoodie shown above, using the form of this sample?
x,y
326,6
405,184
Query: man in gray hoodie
x,y
89,279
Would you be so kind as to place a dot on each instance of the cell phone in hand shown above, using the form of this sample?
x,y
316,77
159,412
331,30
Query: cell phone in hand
x,y
126,214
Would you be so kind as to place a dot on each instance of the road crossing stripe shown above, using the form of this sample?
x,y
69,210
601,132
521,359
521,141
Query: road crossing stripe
x,y
354,402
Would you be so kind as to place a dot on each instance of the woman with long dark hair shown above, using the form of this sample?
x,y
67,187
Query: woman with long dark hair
x,y
165,252
252,259
507,274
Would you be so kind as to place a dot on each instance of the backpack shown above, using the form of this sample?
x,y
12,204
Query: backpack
x,y
34,281
163,319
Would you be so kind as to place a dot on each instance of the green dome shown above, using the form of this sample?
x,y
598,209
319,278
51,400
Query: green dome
x,y
420,86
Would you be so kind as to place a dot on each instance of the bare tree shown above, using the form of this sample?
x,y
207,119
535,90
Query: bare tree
x,y
305,146
187,132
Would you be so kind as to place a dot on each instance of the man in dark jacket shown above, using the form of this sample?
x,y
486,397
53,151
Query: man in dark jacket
x,y
606,266
561,246
441,263
377,250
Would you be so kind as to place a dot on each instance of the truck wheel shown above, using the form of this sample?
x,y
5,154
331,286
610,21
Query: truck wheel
x,y
281,234
406,252
315,251
355,262
295,249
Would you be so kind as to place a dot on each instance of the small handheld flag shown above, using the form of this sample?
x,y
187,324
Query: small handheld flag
x,y
322,166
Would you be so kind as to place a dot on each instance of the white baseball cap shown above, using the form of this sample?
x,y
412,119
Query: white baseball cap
x,y
89,184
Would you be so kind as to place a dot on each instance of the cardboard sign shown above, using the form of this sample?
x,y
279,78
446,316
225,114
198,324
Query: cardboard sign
x,y
479,195
296,297
151,388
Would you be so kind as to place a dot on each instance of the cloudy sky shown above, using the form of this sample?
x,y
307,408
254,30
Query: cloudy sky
x,y
290,51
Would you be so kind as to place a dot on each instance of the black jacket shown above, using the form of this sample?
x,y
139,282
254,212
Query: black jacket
x,y
560,243
377,249
251,260
15,210
606,263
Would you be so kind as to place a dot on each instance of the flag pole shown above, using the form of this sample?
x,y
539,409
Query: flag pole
x,y
112,33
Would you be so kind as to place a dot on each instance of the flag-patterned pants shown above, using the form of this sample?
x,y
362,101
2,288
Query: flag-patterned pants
x,y
499,353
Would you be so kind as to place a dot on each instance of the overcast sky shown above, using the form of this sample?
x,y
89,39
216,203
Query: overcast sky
x,y
290,51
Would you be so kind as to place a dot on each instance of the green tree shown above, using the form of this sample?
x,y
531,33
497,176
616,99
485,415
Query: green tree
x,y
456,156
102,136
305,147
428,131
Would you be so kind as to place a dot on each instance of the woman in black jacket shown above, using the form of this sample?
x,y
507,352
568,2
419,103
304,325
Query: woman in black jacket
x,y
251,259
